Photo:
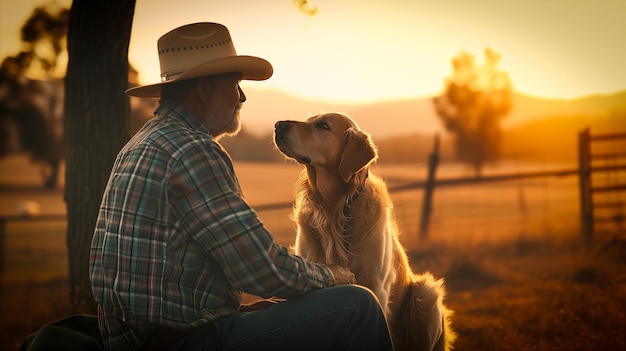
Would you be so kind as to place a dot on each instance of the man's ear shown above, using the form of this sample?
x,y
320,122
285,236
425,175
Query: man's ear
x,y
358,152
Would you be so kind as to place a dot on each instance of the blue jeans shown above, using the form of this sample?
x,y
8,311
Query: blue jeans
x,y
346,317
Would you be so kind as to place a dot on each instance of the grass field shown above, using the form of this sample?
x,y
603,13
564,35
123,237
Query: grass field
x,y
518,275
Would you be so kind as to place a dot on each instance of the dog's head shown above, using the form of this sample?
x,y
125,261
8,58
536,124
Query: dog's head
x,y
330,141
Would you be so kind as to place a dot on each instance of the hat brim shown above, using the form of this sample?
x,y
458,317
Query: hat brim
x,y
251,68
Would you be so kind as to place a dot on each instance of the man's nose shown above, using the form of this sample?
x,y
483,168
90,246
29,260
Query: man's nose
x,y
242,96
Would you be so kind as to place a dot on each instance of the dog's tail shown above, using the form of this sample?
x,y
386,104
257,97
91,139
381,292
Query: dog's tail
x,y
421,321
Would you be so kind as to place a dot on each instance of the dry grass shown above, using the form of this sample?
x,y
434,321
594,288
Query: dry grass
x,y
535,288
523,295
26,306
538,295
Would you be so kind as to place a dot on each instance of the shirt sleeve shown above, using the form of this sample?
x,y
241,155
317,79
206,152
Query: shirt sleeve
x,y
211,210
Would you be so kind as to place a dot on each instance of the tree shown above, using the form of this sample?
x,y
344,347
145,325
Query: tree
x,y
96,123
474,101
31,93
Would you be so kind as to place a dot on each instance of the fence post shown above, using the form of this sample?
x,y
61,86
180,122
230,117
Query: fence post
x,y
584,173
2,241
427,206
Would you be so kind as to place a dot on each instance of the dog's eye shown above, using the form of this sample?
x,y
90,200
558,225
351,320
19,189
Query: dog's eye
x,y
323,125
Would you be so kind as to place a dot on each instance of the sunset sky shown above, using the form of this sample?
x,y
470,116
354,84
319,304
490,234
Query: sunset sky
x,y
358,50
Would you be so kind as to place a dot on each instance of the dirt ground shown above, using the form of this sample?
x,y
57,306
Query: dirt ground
x,y
522,295
534,292
536,295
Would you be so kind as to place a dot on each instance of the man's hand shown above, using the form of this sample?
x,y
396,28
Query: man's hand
x,y
342,275
260,304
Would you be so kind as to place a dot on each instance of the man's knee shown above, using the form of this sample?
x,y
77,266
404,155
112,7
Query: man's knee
x,y
362,297
365,325
358,291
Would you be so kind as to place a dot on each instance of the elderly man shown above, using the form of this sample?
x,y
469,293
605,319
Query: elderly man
x,y
176,243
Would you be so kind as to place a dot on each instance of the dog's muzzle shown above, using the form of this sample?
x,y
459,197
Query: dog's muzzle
x,y
281,129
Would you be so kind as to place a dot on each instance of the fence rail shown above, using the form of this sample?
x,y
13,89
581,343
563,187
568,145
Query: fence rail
x,y
407,206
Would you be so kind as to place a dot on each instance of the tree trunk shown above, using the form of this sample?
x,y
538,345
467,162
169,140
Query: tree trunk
x,y
96,123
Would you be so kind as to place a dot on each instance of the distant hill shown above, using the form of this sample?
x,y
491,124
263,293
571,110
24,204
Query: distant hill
x,y
537,128
527,108
403,117
556,138
265,107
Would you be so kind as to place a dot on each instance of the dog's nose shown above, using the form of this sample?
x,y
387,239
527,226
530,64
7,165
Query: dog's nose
x,y
281,126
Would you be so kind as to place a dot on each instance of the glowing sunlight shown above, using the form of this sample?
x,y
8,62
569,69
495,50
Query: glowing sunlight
x,y
355,51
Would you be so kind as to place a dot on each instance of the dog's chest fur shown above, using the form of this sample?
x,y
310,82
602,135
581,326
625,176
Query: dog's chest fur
x,y
365,248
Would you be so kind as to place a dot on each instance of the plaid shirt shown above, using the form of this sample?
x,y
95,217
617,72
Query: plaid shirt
x,y
175,243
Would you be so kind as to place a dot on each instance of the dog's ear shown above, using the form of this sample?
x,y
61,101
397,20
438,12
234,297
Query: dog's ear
x,y
358,152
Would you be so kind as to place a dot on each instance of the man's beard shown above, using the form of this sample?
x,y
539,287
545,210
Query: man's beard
x,y
235,127
231,128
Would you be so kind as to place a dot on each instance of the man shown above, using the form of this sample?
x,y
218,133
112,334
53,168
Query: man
x,y
176,244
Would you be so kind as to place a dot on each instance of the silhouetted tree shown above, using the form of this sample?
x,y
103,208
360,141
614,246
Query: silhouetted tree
x,y
30,91
45,33
96,123
474,101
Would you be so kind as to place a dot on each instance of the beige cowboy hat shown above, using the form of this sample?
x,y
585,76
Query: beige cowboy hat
x,y
197,50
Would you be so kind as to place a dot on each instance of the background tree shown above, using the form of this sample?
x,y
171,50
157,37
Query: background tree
x,y
96,123
474,101
31,93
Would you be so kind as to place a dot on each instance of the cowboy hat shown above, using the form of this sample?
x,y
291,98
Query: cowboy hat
x,y
197,50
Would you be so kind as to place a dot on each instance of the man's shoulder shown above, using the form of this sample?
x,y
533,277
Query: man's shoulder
x,y
172,137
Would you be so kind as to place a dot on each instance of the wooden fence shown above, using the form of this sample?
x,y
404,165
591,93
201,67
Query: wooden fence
x,y
595,209
602,183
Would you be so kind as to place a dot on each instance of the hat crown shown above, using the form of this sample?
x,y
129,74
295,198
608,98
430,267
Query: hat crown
x,y
191,45
198,50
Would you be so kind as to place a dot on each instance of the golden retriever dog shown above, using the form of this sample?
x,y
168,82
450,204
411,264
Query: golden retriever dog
x,y
344,215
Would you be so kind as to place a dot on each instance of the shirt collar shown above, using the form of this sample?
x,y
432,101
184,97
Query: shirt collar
x,y
172,109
